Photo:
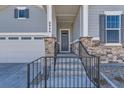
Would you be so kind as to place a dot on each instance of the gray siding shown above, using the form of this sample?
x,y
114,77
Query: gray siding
x,y
122,29
37,21
76,27
94,12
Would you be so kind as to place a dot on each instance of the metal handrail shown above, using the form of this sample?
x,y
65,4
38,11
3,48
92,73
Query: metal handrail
x,y
96,62
38,71
38,62
35,67
56,48
89,59
38,76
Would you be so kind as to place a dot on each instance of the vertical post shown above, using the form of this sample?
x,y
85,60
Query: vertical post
x,y
37,74
86,71
49,19
98,72
79,49
85,20
90,60
28,75
45,72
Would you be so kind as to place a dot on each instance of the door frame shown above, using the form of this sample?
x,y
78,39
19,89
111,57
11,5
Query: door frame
x,y
68,39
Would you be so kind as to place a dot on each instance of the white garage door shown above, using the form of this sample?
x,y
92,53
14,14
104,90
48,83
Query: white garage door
x,y
20,49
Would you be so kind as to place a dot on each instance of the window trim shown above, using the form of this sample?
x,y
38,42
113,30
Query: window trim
x,y
113,44
113,13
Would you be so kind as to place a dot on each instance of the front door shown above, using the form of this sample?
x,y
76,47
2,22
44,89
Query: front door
x,y
64,40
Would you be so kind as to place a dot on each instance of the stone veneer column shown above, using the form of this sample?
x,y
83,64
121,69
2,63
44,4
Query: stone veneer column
x,y
86,41
49,46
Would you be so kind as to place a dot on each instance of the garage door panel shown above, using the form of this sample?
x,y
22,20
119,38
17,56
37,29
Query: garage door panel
x,y
16,51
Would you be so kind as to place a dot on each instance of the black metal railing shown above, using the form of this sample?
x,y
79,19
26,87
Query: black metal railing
x,y
90,63
38,72
69,72
66,71
56,49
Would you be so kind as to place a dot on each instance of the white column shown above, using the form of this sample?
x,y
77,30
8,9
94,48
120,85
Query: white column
x,y
85,20
49,19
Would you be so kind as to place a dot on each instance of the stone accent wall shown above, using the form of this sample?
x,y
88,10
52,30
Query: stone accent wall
x,y
108,54
75,48
49,46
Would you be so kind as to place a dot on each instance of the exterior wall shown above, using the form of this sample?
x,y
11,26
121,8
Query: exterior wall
x,y
76,27
108,54
94,12
37,21
49,46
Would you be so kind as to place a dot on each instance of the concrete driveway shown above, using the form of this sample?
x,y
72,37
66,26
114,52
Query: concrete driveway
x,y
13,75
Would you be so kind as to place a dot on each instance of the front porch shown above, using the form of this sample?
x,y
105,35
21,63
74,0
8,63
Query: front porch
x,y
67,23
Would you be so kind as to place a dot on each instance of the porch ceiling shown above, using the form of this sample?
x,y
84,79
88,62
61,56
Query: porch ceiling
x,y
66,14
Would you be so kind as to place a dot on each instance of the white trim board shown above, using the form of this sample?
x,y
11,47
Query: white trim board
x,y
113,12
96,38
85,20
113,44
21,8
60,40
19,34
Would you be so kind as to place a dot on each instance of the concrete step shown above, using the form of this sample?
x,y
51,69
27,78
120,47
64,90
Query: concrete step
x,y
70,66
67,73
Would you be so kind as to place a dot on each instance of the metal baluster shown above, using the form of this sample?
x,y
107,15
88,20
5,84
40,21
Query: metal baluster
x,y
86,73
74,72
62,73
33,74
45,72
58,72
90,70
54,80
50,72
93,68
69,77
82,70
37,74
28,75
66,72
78,71
98,72
40,75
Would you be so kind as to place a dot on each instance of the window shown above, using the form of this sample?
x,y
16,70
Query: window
x,y
38,38
26,38
21,13
112,21
13,38
112,28
2,38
